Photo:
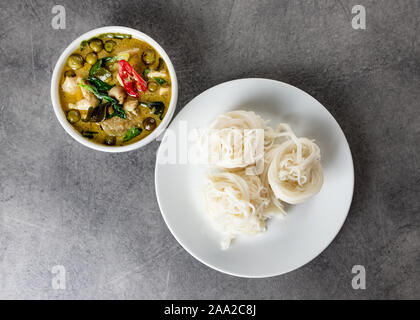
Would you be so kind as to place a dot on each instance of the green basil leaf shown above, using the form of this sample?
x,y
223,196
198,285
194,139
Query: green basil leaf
x,y
157,107
160,80
146,72
132,133
102,74
102,87
109,59
95,67
96,114
119,111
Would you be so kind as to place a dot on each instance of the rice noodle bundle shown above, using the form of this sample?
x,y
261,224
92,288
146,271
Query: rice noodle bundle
x,y
235,203
238,195
294,172
238,119
268,158
237,139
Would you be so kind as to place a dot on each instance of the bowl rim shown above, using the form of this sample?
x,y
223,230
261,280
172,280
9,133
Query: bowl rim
x,y
59,112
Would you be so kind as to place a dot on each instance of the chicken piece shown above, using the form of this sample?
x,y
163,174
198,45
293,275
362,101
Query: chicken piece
x,y
163,90
117,79
83,104
118,93
71,85
86,93
118,127
130,104
158,74
89,100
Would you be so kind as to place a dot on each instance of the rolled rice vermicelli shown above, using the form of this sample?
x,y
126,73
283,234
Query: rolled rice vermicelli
x,y
237,198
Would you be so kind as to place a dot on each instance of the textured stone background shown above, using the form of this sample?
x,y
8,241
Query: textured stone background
x,y
96,213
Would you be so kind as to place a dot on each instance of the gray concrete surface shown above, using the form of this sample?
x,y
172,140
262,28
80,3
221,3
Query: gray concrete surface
x,y
96,213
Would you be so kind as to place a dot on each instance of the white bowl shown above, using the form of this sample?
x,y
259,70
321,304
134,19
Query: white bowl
x,y
55,82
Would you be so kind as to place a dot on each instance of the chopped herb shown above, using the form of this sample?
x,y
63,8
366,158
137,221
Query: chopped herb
x,y
132,133
146,72
160,80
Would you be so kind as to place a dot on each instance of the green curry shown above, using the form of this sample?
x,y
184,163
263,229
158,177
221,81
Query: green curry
x,y
115,89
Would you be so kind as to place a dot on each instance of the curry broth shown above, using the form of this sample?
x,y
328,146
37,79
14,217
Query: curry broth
x,y
139,66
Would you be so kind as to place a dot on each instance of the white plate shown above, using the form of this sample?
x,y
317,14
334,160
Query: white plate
x,y
288,243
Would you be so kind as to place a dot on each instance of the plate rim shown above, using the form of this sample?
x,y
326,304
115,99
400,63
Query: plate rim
x,y
266,275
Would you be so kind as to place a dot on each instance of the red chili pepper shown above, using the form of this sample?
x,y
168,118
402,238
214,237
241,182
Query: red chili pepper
x,y
132,82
